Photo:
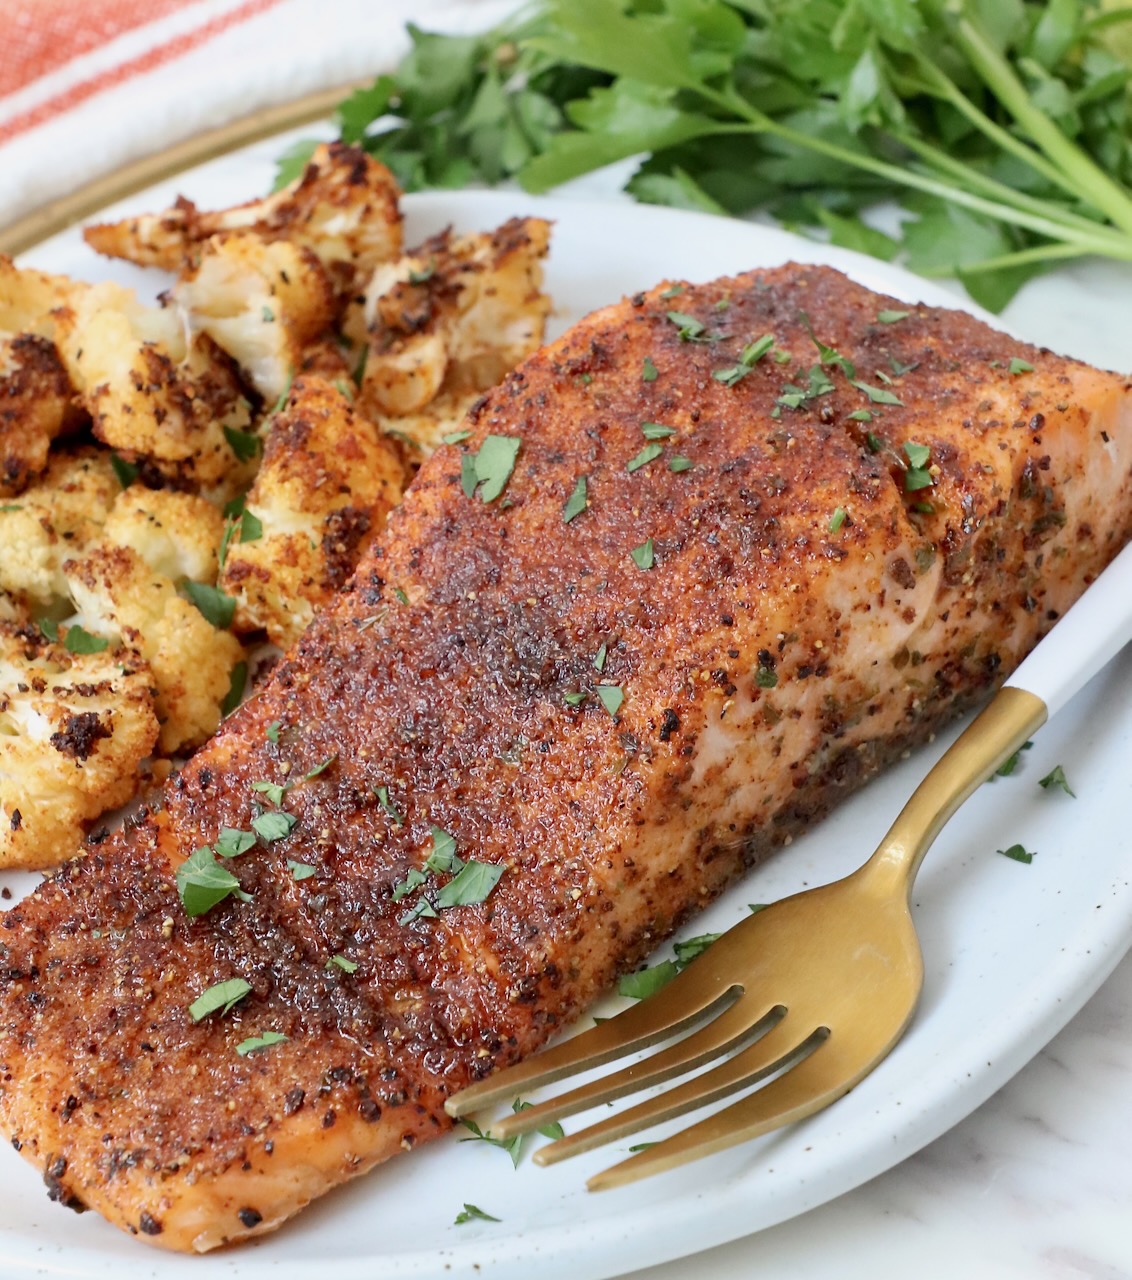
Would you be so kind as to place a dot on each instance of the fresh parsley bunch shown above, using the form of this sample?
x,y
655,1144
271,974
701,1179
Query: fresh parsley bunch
x,y
999,127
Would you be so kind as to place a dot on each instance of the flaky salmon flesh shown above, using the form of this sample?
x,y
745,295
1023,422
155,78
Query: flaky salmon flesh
x,y
698,569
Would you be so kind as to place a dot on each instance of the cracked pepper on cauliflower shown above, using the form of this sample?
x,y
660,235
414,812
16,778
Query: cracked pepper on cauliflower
x,y
175,476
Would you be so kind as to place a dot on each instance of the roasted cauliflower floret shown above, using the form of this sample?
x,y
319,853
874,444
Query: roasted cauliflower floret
x,y
28,298
74,730
177,534
118,597
172,407
51,522
452,317
344,208
327,482
260,301
37,405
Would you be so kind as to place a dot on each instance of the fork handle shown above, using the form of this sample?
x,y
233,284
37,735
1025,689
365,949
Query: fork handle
x,y
1094,630
1088,635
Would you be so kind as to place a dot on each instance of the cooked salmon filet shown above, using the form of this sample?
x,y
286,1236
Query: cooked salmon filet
x,y
723,583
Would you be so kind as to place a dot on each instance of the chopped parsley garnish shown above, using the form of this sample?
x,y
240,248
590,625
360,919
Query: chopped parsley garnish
x,y
1018,853
1056,778
217,608
454,437
766,677
899,368
827,355
576,503
553,1130
611,696
878,395
274,729
313,773
253,1044
643,556
300,870
470,885
231,842
1008,766
221,996
79,640
645,982
50,629
341,962
126,472
413,880
917,476
387,805
491,466
648,370
673,290
750,356
202,882
817,384
679,463
251,527
275,825
402,597
837,519
691,330
470,1211
656,431
243,444
574,699
274,791
891,317
513,1146
1020,366
648,454
872,439
237,683
443,856
600,656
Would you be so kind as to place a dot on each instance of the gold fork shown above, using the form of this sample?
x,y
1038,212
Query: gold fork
x,y
811,993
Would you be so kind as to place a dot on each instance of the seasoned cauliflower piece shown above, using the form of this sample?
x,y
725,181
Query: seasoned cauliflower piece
x,y
167,405
37,404
28,298
327,482
260,301
119,598
177,534
52,521
343,207
450,318
74,730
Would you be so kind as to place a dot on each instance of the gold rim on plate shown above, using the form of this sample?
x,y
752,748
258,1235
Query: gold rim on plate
x,y
57,215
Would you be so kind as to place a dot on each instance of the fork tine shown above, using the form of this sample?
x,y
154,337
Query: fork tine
x,y
689,997
807,1087
731,1028
769,1054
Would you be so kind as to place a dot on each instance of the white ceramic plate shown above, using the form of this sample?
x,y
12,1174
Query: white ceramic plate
x,y
1011,951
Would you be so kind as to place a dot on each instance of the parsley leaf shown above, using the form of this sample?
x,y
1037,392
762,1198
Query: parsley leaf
x,y
471,885
388,806
220,996
253,1044
837,519
79,640
202,882
300,870
643,556
656,431
878,395
1018,853
648,370
576,503
492,465
217,608
470,1211
127,472
611,697
648,454
231,842
242,443
679,463
643,983
275,825
751,355
237,683
1017,366
1056,778
892,317
341,962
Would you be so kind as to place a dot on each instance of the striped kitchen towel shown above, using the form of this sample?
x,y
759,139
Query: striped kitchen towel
x,y
88,85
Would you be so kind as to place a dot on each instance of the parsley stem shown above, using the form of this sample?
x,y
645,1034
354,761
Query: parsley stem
x,y
1026,257
1094,241
999,77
